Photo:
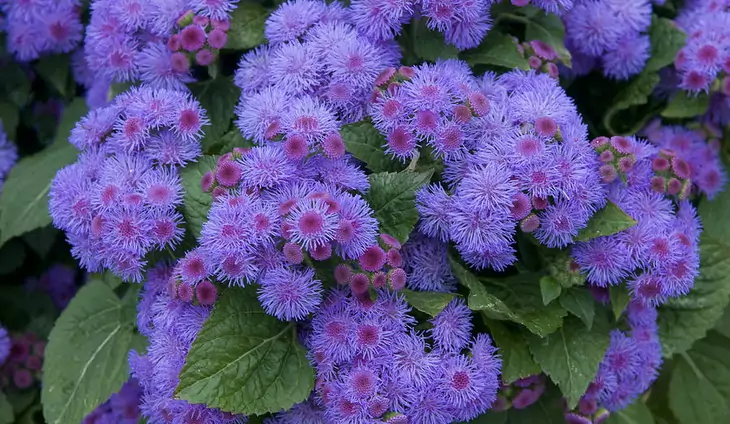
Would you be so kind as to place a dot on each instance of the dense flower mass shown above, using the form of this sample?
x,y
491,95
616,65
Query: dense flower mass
x,y
5,344
272,216
609,33
517,156
153,41
658,257
118,201
21,368
372,364
315,74
41,27
170,326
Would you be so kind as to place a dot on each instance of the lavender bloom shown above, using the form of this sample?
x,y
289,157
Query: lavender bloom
x,y
39,28
5,345
369,368
119,200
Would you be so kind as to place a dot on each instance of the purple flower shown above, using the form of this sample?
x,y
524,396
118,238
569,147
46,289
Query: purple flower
x,y
292,20
627,58
289,294
452,326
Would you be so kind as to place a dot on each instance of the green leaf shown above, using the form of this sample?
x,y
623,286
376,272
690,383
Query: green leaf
x,y
517,360
580,303
247,27
7,416
550,289
431,303
24,201
196,202
479,299
636,413
366,143
635,93
666,40
55,69
244,360
430,45
21,400
723,324
225,143
685,105
108,278
218,97
41,240
392,197
619,299
497,49
608,221
86,357
699,391
571,355
685,319
549,28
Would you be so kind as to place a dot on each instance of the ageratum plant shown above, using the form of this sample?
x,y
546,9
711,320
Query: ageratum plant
x,y
363,212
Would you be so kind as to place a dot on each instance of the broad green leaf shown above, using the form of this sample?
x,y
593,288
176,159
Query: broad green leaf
x,y
723,324
366,143
107,277
636,413
430,45
86,357
517,360
218,97
244,360
685,319
666,40
7,416
479,299
550,289
196,202
20,400
549,28
55,69
497,49
521,294
620,299
24,201
580,303
571,355
609,220
562,267
41,239
685,105
247,27
699,391
392,197
12,255
431,303
635,93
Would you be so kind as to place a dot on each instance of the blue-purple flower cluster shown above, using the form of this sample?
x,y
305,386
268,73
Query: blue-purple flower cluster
x,y
119,200
316,73
5,344
522,161
271,217
426,263
611,33
464,23
21,368
170,326
41,27
704,62
558,7
121,408
8,155
521,393
700,148
127,40
373,366
659,256
630,366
